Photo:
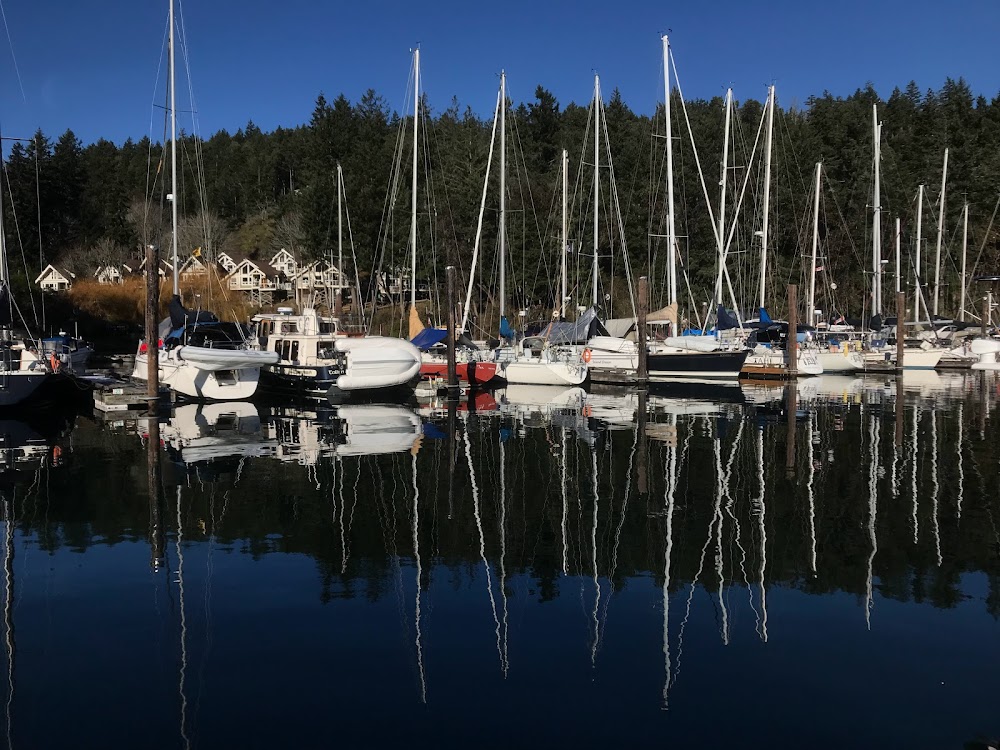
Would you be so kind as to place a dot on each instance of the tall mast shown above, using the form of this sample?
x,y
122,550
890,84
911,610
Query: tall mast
x,y
3,236
877,217
767,194
920,239
173,153
565,246
597,175
671,235
965,247
503,192
340,241
721,240
811,311
413,189
940,234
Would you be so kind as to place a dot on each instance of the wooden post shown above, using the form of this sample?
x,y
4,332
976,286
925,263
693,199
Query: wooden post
x,y
792,339
643,449
900,408
156,537
900,329
791,406
452,444
152,328
642,374
452,368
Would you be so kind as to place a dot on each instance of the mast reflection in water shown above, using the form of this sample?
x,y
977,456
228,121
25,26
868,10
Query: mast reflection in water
x,y
805,564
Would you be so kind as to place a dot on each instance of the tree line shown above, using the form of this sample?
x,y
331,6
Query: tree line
x,y
252,192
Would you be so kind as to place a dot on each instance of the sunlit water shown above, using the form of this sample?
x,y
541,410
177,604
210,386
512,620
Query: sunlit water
x,y
741,567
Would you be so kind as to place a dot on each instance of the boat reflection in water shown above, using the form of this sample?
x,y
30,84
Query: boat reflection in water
x,y
632,552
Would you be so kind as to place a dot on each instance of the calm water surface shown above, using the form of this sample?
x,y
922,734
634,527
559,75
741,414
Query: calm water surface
x,y
724,567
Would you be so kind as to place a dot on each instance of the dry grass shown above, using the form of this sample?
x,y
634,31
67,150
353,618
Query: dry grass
x,y
126,302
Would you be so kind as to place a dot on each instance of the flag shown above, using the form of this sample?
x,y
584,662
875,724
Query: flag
x,y
196,253
819,268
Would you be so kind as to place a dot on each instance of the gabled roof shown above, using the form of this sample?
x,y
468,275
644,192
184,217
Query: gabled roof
x,y
51,269
266,268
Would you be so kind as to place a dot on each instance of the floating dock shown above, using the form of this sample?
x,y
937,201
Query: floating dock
x,y
123,399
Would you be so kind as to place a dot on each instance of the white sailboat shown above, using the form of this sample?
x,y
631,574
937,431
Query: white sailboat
x,y
533,360
200,357
675,357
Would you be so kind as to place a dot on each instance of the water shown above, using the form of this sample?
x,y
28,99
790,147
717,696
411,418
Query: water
x,y
546,576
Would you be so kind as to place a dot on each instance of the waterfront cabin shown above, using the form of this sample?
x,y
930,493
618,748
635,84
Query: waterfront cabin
x,y
53,279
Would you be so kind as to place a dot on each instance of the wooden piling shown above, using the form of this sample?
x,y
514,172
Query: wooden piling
x,y
791,407
642,373
452,366
152,328
900,329
792,339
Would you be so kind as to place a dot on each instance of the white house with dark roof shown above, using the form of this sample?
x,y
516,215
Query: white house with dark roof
x,y
284,262
319,274
227,262
53,279
111,273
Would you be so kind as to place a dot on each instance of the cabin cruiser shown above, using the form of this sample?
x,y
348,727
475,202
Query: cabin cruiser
x,y
201,357
313,356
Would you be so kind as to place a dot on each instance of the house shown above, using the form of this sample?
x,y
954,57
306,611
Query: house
x,y
284,262
320,274
252,276
197,265
166,268
110,273
53,279
227,262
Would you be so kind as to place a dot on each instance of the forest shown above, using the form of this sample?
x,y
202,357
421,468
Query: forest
x,y
251,193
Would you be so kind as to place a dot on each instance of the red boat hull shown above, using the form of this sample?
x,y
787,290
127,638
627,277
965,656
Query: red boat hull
x,y
473,373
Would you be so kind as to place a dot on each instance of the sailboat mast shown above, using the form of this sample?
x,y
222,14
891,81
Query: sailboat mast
x,y
597,176
565,246
721,240
767,194
877,217
671,230
965,248
940,234
340,239
413,188
811,311
920,239
503,193
173,153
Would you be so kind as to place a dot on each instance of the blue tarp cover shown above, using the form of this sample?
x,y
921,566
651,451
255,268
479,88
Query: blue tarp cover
x,y
505,330
764,317
429,337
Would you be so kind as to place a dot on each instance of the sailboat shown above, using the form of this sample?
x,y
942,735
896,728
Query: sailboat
x,y
674,357
199,357
22,370
534,360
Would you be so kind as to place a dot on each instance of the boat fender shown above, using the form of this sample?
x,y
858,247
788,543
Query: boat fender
x,y
587,356
586,411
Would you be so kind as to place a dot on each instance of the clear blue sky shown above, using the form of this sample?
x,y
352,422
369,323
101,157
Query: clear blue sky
x,y
91,65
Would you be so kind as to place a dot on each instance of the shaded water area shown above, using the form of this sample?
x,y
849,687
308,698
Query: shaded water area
x,y
816,566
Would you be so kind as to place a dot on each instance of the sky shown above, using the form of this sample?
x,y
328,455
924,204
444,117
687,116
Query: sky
x,y
96,67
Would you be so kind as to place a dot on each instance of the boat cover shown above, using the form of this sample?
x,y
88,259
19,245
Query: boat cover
x,y
428,337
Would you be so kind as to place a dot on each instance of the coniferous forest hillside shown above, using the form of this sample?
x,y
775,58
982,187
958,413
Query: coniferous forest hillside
x,y
251,193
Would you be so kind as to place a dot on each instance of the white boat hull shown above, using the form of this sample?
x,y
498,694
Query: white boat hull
x,y
535,372
913,359
841,361
191,381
